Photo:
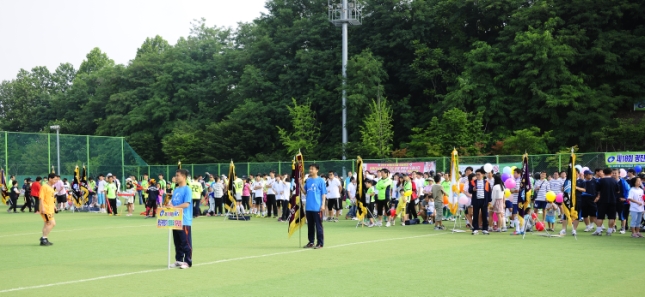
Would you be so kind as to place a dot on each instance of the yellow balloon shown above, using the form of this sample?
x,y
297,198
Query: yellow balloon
x,y
507,193
455,188
550,196
513,169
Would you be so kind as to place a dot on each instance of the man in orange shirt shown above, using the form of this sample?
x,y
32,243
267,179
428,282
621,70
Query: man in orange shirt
x,y
47,208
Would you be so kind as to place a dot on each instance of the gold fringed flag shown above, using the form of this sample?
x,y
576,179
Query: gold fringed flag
x,y
296,213
76,188
361,211
53,171
569,195
453,196
524,196
85,192
3,183
230,189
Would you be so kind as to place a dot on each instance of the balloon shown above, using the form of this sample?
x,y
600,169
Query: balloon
x,y
507,170
559,199
513,169
488,167
534,216
623,173
463,200
584,169
454,188
507,193
505,176
638,169
445,200
461,187
392,212
539,226
510,183
579,167
550,196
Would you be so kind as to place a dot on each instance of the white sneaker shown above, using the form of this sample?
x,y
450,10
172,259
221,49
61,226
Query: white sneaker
x,y
622,231
354,219
388,224
574,233
184,265
175,265
589,228
475,232
563,232
610,231
596,233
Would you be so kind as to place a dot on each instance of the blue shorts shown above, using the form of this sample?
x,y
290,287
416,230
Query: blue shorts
x,y
429,212
540,204
508,204
550,219
515,209
101,198
636,219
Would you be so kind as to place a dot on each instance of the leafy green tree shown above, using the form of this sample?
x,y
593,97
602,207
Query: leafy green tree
x,y
376,132
456,129
527,141
306,131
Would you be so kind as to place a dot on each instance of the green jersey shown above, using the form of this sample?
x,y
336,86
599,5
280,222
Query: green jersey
x,y
446,186
196,189
370,195
111,190
238,184
162,184
382,188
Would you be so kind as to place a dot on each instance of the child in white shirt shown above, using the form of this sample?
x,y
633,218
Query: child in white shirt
x,y
636,207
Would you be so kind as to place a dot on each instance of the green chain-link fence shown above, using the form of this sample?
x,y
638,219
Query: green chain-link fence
x,y
34,154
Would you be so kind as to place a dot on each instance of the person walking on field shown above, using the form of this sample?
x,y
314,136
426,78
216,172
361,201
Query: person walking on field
x,y
182,198
47,208
14,193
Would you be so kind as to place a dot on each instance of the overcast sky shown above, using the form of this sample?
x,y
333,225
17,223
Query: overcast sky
x,y
50,32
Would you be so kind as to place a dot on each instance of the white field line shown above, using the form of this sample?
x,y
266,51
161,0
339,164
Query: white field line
x,y
207,263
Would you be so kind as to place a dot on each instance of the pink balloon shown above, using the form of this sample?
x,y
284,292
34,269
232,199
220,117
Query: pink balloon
x,y
463,200
559,198
510,183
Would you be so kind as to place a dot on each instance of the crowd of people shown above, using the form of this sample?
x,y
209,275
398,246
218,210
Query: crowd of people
x,y
404,198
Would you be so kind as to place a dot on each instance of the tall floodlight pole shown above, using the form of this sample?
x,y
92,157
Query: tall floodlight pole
x,y
344,14
57,128
344,72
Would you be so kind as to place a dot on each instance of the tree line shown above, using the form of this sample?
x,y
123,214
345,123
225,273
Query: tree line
x,y
424,76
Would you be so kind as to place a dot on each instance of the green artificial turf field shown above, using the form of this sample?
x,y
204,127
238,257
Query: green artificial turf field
x,y
97,255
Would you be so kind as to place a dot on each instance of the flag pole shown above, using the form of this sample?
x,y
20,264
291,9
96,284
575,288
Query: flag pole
x,y
300,194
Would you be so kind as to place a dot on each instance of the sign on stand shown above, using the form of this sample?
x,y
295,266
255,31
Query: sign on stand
x,y
171,219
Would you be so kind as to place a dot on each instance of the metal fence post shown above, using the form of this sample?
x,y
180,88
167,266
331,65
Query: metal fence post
x,y
6,156
49,152
559,162
122,163
88,154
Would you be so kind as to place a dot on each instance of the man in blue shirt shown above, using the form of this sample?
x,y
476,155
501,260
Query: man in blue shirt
x,y
182,198
316,191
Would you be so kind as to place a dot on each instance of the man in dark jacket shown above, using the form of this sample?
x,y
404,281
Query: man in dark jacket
x,y
480,190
